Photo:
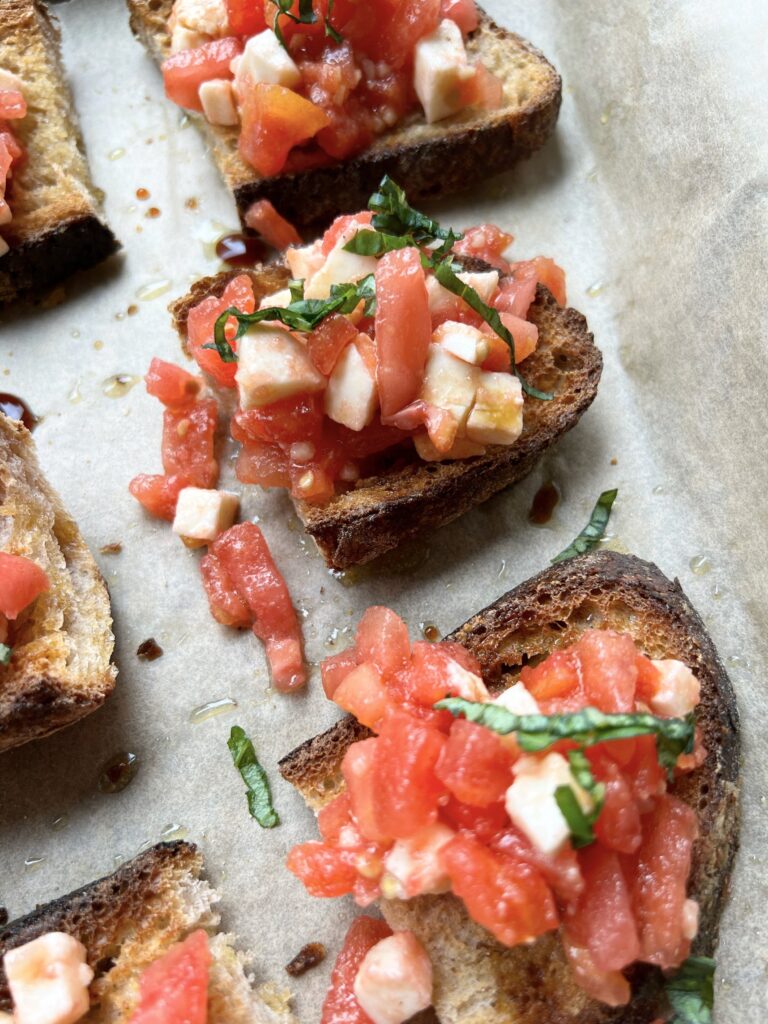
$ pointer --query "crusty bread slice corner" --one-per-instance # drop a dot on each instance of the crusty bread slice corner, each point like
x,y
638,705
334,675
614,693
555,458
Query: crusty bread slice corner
x,y
61,667
130,918
477,980
382,512
429,160
57,225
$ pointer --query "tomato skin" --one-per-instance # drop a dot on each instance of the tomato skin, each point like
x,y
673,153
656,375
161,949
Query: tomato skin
x,y
276,231
274,120
407,788
463,12
475,765
486,242
21,582
323,870
188,442
382,638
328,340
246,17
363,694
158,493
184,72
341,1006
226,605
172,385
174,989
202,320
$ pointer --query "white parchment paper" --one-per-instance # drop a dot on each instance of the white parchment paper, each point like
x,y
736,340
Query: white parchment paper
x,y
653,196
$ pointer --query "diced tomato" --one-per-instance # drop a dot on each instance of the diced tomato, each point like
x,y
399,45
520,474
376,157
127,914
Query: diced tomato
x,y
517,291
358,771
184,72
274,120
618,825
601,921
324,870
158,493
172,385
648,679
21,581
560,870
226,605
382,638
246,17
363,694
328,340
403,328
276,231
342,226
341,1006
298,418
264,464
11,147
174,989
505,895
441,424
608,670
463,12
245,555
334,818
643,772
609,987
359,444
475,765
188,441
336,668
410,21
407,788
551,276
525,334
555,681
499,358
313,484
697,757
486,242
202,319
483,822
484,91
12,105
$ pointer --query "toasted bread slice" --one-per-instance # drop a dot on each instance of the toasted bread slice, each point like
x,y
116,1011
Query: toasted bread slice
x,y
62,644
57,226
432,159
130,918
477,980
382,512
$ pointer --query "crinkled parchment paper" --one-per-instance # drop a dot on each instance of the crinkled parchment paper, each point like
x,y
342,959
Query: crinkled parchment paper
x,y
653,196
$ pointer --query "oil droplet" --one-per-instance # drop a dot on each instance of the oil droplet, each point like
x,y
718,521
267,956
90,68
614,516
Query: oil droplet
x,y
544,503
659,489
132,310
173,831
502,569
74,395
211,709
98,344
118,772
429,631
153,290
737,661
592,176
191,203
33,863
16,408
118,859
700,565
74,333
119,384
115,154
596,289
142,193
144,846
119,316
153,212
61,822
333,636
718,592
184,121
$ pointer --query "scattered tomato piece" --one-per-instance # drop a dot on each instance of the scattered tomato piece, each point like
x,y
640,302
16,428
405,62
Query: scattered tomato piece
x,y
226,605
201,321
276,231
188,440
174,989
172,385
21,582
158,493
341,1006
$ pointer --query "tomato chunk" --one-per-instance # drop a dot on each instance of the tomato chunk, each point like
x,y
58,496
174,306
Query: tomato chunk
x,y
328,340
463,12
292,419
608,670
602,921
13,106
618,827
524,333
185,71
555,684
475,765
274,120
411,20
202,320
276,231
188,440
341,1006
324,870
226,605
486,242
610,987
172,385
264,464
551,276
157,493
382,638
21,581
363,694
174,989
246,17
518,290
358,771
407,788
335,669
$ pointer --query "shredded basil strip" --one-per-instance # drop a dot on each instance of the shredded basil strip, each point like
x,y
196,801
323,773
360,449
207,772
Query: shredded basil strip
x,y
306,16
580,822
296,288
334,33
674,736
594,531
393,215
690,991
254,777
6,653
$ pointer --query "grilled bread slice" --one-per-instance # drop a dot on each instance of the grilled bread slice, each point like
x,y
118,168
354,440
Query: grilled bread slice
x,y
434,159
130,918
382,512
57,226
62,644
477,980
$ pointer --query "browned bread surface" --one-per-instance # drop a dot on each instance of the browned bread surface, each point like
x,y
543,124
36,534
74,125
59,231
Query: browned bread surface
x,y
479,981
57,226
383,512
430,160
61,666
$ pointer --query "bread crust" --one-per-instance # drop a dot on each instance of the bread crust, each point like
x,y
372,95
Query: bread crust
x,y
478,980
432,160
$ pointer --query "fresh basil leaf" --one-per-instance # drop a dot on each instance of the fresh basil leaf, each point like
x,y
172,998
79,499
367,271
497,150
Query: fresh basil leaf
x,y
594,530
296,288
690,991
674,736
306,16
254,777
330,31
579,824
393,215
6,653
375,243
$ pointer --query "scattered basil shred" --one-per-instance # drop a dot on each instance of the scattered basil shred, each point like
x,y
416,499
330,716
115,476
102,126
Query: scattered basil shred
x,y
594,531
254,777
690,991
580,822
6,653
306,16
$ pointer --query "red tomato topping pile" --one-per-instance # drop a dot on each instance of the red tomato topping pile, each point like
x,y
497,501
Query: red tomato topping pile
x,y
428,805
174,989
21,581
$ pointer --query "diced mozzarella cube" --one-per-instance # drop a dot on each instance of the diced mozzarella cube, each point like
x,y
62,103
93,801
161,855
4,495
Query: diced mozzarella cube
x,y
265,60
463,683
203,514
209,17
183,38
530,800
463,341
279,299
460,449
305,260
341,267
679,690
412,867
440,67
48,979
394,980
485,282
690,919
218,101
351,397
449,383
497,415
518,700
272,365
445,305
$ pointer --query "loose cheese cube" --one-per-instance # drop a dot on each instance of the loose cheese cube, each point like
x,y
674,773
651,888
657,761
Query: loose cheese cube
x,y
440,67
351,397
679,690
412,867
340,267
518,700
265,60
272,365
497,415
218,101
183,38
485,282
530,800
48,979
463,341
394,980
460,449
279,299
449,383
203,514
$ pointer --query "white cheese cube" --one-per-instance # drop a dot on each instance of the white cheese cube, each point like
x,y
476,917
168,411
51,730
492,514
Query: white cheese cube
x,y
279,299
463,683
208,17
485,282
218,101
340,267
460,449
690,919
445,305
48,979
272,365
265,60
679,690
463,341
203,514
449,383
183,38
305,260
412,867
497,415
351,397
440,67
518,700
394,980
530,800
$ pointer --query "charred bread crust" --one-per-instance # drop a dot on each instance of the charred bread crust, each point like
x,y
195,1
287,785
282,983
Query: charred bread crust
x,y
430,160
602,589
383,512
